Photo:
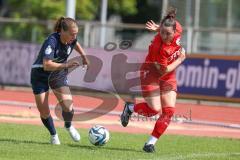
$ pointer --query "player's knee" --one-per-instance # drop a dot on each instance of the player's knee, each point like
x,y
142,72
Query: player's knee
x,y
156,108
44,115
66,109
67,105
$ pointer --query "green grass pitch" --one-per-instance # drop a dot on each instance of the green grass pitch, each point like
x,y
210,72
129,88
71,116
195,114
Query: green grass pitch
x,y
26,142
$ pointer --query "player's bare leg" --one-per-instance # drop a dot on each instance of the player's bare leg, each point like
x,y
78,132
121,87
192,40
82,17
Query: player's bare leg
x,y
168,100
43,108
64,97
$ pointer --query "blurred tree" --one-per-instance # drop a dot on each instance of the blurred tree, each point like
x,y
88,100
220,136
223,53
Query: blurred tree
x,y
131,11
87,9
29,9
90,9
146,9
34,9
122,7
51,10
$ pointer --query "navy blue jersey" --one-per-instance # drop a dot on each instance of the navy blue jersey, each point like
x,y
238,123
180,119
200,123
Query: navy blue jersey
x,y
53,49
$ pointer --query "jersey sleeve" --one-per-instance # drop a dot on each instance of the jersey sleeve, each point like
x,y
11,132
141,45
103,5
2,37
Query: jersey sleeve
x,y
49,48
154,48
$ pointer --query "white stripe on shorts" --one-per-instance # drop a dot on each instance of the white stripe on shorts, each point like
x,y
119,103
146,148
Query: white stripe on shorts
x,y
37,66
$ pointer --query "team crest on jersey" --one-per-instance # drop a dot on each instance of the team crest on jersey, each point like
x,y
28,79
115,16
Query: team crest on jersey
x,y
178,42
69,50
48,50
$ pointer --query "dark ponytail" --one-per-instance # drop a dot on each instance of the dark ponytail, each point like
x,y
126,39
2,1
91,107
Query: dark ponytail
x,y
169,19
171,12
58,25
64,23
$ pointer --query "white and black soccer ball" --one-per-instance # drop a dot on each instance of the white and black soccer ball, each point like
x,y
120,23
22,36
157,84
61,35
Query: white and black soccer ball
x,y
98,135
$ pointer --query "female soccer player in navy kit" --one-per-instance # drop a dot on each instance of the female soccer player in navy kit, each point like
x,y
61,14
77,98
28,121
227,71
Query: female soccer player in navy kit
x,y
158,80
52,62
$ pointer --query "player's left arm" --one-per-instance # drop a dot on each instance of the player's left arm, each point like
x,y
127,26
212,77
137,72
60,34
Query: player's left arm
x,y
80,50
182,56
164,69
162,65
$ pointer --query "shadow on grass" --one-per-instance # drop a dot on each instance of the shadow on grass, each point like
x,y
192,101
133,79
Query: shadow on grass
x,y
17,141
104,148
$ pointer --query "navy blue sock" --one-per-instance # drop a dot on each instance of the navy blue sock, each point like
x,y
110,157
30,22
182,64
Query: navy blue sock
x,y
48,123
68,116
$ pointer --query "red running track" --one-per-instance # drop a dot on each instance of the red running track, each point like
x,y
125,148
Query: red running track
x,y
18,107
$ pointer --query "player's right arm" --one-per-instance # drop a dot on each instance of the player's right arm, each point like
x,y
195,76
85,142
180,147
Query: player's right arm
x,y
49,65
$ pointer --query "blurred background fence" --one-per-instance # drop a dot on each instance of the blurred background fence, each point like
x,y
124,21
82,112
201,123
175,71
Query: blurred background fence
x,y
207,40
210,26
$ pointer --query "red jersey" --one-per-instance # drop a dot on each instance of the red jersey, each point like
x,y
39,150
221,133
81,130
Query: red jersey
x,y
164,54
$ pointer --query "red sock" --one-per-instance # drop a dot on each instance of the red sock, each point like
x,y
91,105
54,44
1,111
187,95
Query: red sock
x,y
144,109
163,121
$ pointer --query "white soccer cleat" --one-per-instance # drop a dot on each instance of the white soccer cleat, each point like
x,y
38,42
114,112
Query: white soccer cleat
x,y
74,134
55,140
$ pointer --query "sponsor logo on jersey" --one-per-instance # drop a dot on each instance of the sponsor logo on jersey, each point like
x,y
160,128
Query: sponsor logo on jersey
x,y
178,41
175,55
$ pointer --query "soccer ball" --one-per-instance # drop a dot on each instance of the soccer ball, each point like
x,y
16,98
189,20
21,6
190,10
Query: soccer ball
x,y
98,135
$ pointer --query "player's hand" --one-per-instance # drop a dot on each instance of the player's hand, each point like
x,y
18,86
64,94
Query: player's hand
x,y
85,62
157,65
152,26
159,69
71,64
182,55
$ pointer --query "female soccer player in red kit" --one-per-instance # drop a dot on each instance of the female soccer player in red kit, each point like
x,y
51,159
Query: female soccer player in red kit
x,y
158,81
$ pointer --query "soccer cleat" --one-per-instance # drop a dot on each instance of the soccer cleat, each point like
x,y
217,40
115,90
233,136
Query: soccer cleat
x,y
73,133
55,140
149,148
126,114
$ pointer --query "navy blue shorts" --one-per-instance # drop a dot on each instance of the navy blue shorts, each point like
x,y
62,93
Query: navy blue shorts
x,y
43,80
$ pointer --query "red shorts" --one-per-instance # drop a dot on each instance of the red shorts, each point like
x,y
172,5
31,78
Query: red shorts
x,y
151,82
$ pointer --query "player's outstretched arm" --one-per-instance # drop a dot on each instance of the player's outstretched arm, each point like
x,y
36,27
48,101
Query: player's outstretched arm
x,y
152,26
